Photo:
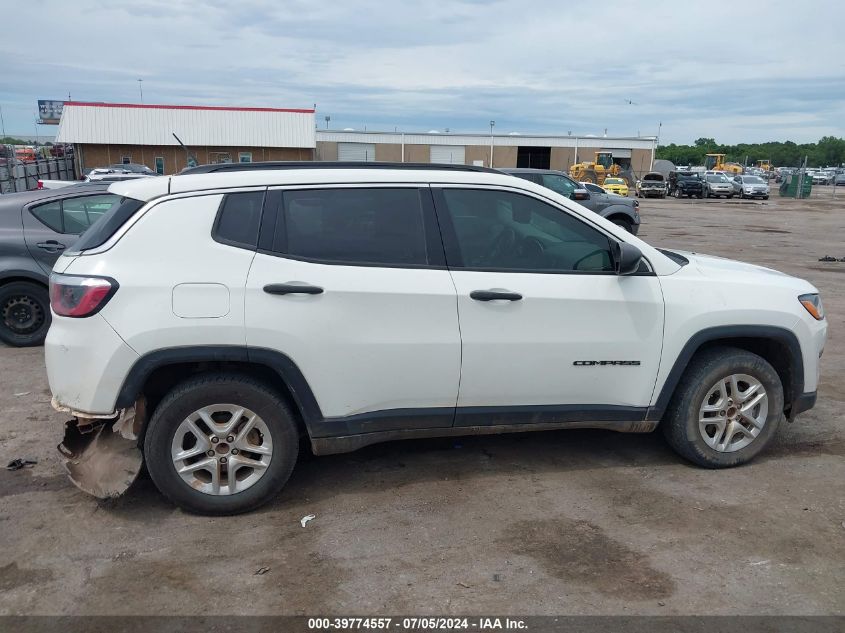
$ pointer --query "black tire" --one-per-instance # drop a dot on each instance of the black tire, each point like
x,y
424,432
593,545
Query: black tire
x,y
207,390
700,196
765,197
24,313
624,224
730,195
680,422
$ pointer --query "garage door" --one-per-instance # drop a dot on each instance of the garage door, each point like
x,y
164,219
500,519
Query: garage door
x,y
448,154
356,151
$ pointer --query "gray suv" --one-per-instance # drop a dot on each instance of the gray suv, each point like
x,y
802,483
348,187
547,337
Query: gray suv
x,y
35,228
621,211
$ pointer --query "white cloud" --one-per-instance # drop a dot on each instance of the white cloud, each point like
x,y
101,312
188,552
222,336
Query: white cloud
x,y
733,71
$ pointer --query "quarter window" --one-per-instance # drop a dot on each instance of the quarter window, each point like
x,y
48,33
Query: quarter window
x,y
500,230
238,219
353,226
74,215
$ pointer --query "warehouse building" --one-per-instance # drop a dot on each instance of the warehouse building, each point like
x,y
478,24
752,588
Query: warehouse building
x,y
109,133
508,150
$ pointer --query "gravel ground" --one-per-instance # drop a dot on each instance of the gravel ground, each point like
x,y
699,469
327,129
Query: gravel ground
x,y
570,522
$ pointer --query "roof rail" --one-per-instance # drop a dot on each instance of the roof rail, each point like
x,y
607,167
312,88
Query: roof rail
x,y
221,167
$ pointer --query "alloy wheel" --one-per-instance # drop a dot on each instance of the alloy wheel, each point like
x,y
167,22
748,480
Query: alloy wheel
x,y
222,449
733,413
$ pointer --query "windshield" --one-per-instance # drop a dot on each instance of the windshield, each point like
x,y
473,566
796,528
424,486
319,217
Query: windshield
x,y
614,181
753,180
688,176
716,178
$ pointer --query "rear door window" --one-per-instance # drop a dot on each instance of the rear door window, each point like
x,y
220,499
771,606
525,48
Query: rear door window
x,y
353,226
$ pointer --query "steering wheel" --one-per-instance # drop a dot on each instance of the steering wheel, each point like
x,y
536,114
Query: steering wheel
x,y
502,245
598,251
531,248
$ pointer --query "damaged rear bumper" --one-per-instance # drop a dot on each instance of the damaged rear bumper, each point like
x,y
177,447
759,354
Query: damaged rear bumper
x,y
101,454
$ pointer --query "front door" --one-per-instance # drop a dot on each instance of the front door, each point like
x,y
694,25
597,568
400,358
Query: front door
x,y
548,331
351,284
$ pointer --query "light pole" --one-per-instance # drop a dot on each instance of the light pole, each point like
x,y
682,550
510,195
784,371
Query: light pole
x,y
2,124
328,118
492,123
141,89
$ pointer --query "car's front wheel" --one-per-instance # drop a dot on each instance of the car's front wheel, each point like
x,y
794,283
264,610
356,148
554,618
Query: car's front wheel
x,y
624,224
221,444
24,313
726,408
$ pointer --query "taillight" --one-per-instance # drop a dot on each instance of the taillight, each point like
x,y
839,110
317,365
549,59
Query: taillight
x,y
40,184
76,296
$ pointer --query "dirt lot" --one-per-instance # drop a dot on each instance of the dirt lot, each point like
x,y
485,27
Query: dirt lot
x,y
576,522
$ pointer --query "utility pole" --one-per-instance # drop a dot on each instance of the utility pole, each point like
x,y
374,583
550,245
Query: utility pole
x,y
328,118
492,123
2,124
141,89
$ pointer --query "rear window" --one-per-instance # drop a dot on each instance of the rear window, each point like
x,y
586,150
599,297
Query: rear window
x,y
108,224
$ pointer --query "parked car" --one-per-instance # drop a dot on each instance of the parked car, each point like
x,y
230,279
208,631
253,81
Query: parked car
x,y
134,168
652,185
109,174
821,178
35,228
349,305
839,180
616,185
621,211
717,185
685,183
751,187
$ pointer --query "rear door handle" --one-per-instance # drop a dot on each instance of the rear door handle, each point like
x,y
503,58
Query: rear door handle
x,y
292,289
51,246
495,295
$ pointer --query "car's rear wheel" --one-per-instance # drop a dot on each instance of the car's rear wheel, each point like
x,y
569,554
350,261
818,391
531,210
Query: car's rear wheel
x,y
221,444
24,313
726,408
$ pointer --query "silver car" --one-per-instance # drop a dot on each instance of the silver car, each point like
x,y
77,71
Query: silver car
x,y
718,185
751,187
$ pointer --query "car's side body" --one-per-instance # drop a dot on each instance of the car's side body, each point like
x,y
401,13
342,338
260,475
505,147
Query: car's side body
x,y
210,317
29,246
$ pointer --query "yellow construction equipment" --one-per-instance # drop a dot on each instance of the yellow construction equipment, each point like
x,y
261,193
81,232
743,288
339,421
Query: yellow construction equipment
x,y
716,162
602,168
765,165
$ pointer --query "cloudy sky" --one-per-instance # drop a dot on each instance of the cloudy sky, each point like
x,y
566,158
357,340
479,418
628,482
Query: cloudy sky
x,y
736,71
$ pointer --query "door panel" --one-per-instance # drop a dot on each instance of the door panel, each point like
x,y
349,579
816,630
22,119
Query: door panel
x,y
377,337
562,329
523,352
44,243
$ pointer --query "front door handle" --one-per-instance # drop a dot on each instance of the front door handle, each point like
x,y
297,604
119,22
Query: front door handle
x,y
292,289
495,295
51,246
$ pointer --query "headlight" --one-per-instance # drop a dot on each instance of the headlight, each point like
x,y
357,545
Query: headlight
x,y
813,304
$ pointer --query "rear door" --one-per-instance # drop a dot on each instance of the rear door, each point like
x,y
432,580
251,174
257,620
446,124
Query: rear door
x,y
350,283
51,227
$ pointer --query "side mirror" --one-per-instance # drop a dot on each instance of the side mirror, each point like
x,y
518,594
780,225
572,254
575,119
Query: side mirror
x,y
626,258
580,194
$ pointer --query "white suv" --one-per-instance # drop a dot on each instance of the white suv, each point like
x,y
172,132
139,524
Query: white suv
x,y
213,319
